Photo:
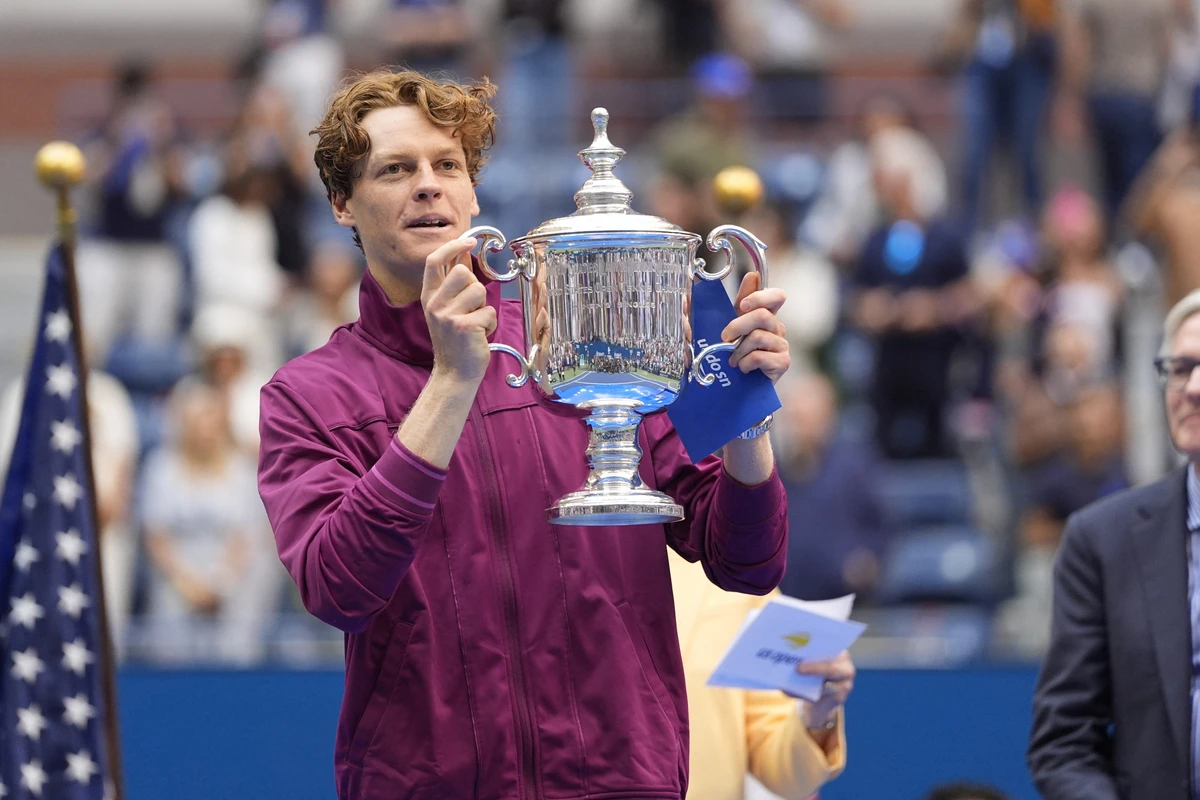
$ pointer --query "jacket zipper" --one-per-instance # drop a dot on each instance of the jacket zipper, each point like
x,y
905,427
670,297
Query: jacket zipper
x,y
508,591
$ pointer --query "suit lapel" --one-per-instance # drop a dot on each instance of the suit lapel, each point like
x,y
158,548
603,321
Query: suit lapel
x,y
1160,541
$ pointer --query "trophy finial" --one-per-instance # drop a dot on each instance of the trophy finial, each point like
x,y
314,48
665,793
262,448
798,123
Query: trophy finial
x,y
603,193
600,125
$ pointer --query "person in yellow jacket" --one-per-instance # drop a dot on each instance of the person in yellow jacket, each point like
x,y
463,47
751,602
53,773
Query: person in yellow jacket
x,y
792,747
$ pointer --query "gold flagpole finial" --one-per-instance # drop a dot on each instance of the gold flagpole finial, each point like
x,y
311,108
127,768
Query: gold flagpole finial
x,y
59,166
737,189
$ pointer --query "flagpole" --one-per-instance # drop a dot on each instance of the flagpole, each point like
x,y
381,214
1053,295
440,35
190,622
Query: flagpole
x,y
60,166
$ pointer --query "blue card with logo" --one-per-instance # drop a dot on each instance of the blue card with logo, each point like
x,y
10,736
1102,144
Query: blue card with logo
x,y
784,633
709,417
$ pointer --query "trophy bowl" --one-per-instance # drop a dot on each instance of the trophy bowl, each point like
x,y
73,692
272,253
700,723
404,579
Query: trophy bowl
x,y
605,294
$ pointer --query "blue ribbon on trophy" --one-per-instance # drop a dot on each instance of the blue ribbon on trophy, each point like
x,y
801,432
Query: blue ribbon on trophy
x,y
707,417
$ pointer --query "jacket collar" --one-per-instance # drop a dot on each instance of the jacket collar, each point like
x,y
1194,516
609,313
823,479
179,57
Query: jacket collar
x,y
401,331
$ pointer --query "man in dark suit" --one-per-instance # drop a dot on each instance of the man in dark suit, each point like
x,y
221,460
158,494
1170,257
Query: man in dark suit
x,y
1116,701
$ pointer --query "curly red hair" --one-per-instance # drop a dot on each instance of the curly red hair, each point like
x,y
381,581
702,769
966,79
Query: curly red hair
x,y
342,142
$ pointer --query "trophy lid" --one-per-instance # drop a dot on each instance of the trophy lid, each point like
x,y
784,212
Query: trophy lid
x,y
604,201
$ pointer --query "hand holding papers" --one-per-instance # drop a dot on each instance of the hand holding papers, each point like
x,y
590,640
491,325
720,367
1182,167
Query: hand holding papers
x,y
784,633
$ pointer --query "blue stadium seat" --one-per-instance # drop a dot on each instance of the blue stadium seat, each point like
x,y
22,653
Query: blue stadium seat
x,y
149,367
948,564
921,493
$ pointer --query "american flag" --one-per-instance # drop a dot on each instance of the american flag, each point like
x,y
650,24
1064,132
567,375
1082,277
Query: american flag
x,y
52,742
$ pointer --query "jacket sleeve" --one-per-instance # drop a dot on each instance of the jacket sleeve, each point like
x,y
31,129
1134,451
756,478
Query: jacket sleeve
x,y
737,532
782,754
347,537
1069,749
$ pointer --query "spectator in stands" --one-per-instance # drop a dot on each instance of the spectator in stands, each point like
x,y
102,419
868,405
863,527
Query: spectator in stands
x,y
1007,273
224,336
1115,711
1009,49
708,137
114,430
1183,68
1165,205
233,247
1090,467
203,528
838,531
965,791
1084,290
791,746
1114,59
911,293
1067,325
808,278
847,210
1040,403
264,139
790,45
129,273
1037,425
300,56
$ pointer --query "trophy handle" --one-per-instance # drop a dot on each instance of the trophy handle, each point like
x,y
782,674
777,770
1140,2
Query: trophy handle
x,y
527,369
719,240
527,264
493,241
698,373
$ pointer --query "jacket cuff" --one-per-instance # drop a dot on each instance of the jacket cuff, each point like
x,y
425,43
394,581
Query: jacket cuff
x,y
829,760
406,481
745,506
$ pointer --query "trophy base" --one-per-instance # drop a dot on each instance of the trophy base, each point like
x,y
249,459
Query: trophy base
x,y
635,507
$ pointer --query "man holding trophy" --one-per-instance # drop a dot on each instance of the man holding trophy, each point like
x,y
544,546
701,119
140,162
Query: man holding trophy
x,y
509,634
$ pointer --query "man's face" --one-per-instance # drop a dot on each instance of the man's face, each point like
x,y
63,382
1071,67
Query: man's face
x,y
1183,401
412,192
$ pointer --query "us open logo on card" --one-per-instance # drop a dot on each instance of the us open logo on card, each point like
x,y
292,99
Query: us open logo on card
x,y
798,640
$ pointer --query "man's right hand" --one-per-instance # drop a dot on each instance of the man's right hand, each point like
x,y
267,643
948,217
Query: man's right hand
x,y
456,310
459,320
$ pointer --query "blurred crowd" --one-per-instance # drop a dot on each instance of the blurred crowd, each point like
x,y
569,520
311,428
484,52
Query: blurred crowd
x,y
960,297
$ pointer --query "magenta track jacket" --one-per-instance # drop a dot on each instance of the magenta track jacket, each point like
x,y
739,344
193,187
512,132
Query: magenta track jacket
x,y
490,654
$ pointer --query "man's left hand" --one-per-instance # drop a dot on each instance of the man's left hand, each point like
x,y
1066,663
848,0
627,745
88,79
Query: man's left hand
x,y
764,346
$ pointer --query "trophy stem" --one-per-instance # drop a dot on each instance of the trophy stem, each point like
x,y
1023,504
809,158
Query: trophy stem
x,y
613,452
614,493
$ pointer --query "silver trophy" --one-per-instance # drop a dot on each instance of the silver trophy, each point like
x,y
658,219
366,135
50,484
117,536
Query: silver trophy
x,y
606,296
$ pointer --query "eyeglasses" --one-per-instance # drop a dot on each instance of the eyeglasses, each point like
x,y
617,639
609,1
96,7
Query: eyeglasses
x,y
1175,371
